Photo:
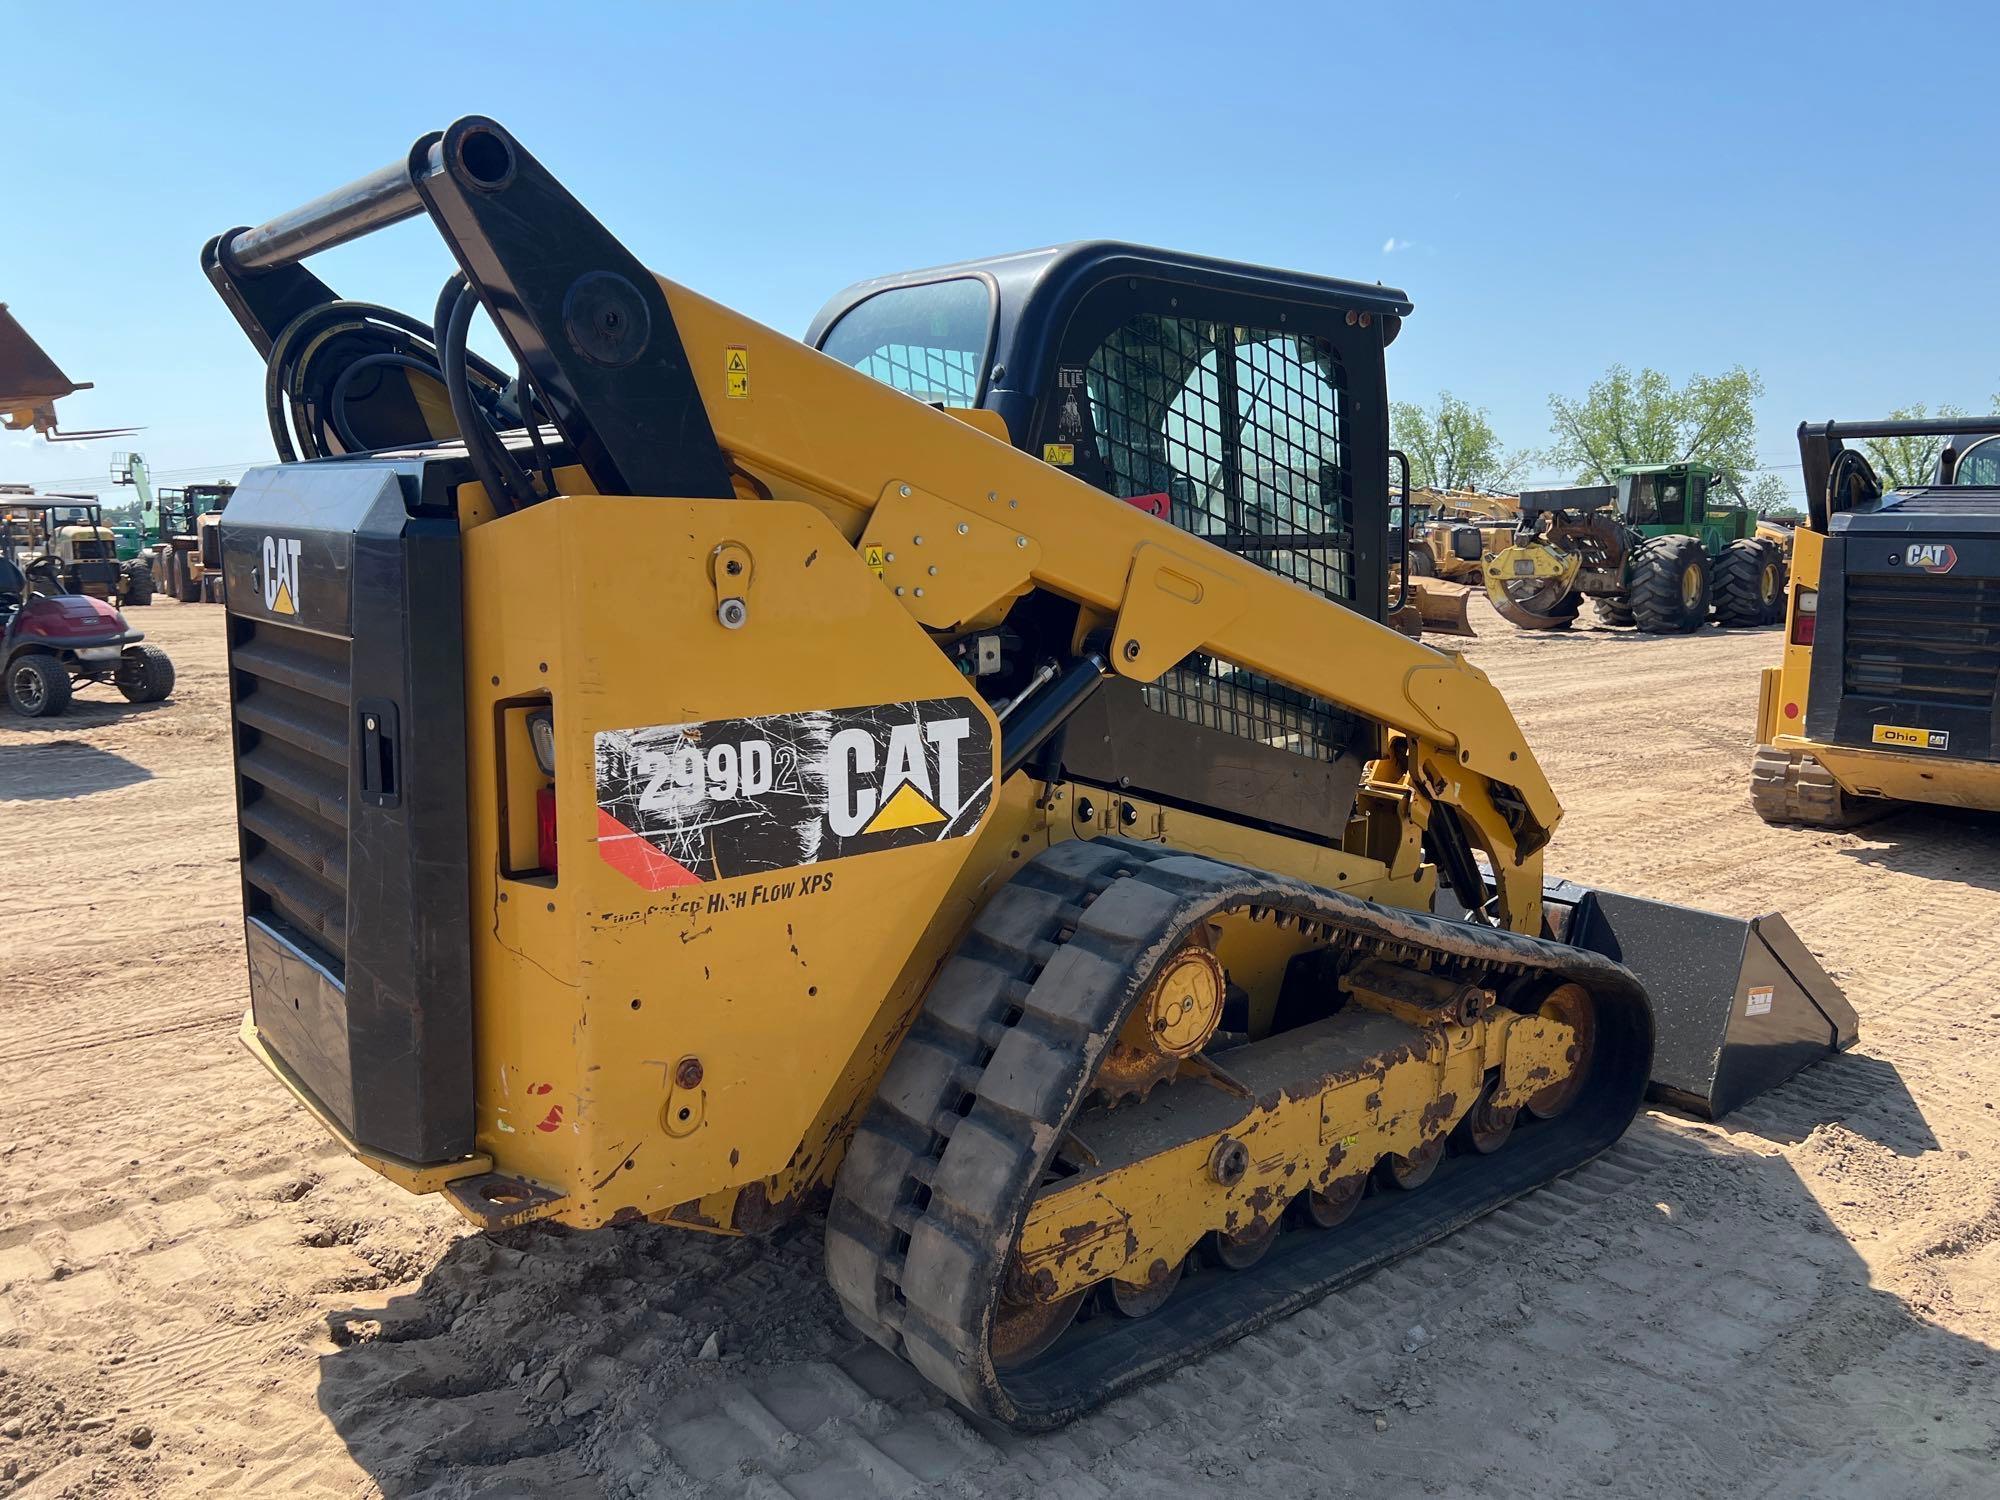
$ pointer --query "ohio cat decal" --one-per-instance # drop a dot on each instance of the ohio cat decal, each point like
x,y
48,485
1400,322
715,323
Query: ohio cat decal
x,y
680,804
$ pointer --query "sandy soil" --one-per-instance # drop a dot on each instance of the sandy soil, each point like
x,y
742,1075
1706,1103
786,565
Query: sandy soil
x,y
199,1296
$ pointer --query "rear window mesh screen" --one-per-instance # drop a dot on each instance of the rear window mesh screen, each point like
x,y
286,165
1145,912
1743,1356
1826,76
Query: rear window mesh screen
x,y
942,377
1215,694
1241,429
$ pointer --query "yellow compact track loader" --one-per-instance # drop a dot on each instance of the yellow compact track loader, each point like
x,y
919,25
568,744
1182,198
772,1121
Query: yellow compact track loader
x,y
990,806
1888,687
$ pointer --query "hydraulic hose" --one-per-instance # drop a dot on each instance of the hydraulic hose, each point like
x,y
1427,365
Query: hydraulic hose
x,y
319,356
504,481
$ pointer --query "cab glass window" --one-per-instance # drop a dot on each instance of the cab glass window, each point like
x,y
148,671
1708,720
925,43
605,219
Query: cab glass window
x,y
929,341
1980,464
1657,500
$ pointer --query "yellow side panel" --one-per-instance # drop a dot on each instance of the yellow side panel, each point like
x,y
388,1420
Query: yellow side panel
x,y
1795,662
1767,704
638,1048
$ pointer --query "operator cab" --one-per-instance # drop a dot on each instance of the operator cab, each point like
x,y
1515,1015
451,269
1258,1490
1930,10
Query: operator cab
x,y
1972,460
1244,404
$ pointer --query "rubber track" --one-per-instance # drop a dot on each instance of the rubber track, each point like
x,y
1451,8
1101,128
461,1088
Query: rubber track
x,y
1791,786
943,1169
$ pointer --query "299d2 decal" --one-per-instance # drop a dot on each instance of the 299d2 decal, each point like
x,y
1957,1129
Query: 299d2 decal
x,y
680,804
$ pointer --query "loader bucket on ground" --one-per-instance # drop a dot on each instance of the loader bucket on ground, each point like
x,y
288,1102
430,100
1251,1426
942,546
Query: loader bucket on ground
x,y
1442,606
1738,1006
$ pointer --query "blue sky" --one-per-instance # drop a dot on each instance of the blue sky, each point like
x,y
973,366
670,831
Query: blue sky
x,y
1797,188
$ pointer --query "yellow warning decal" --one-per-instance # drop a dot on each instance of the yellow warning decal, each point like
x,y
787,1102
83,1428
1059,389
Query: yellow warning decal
x,y
906,808
876,557
738,359
1062,455
1905,738
739,386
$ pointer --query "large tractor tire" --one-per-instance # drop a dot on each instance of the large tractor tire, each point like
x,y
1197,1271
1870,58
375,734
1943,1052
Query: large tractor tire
x,y
1790,786
145,674
1612,610
1784,565
1749,584
180,582
1669,594
138,583
37,685
1421,564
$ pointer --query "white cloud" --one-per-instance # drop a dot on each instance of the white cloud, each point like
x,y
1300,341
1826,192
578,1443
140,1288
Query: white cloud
x,y
1391,245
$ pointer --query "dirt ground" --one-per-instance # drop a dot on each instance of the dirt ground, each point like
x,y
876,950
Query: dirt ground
x,y
200,1296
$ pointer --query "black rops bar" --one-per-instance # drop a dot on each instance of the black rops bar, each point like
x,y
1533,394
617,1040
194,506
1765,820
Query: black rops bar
x,y
1820,443
347,213
1900,427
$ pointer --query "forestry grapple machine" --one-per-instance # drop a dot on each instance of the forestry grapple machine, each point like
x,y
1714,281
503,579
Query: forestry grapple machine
x,y
990,806
1663,548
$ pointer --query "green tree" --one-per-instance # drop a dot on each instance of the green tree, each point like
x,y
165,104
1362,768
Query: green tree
x,y
1645,419
1906,462
1768,495
1452,446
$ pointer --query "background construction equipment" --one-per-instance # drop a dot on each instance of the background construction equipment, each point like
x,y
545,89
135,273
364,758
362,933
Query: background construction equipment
x,y
1887,686
1450,533
1661,549
31,384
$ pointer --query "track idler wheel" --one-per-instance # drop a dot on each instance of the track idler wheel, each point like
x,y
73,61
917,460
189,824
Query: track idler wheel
x,y
1139,1301
1240,1249
1408,1173
1025,1329
1486,1125
1571,1004
1332,1208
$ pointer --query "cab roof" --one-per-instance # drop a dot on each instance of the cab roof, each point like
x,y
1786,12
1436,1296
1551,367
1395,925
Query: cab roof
x,y
1056,274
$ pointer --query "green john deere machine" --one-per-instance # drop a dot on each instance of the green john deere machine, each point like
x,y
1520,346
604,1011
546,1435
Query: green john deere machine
x,y
1665,548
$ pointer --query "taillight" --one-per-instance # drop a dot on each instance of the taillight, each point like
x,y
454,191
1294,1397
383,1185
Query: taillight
x,y
545,829
1805,616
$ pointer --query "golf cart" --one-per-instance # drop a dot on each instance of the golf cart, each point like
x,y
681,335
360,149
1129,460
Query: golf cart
x,y
51,640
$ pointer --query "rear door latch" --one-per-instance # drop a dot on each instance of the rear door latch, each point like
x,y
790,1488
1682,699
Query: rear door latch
x,y
381,775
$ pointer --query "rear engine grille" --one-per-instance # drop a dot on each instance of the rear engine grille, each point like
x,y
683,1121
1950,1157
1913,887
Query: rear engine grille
x,y
292,713
1924,638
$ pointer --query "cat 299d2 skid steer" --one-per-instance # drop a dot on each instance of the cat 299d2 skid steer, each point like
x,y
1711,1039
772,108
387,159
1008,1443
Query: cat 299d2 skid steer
x,y
1124,934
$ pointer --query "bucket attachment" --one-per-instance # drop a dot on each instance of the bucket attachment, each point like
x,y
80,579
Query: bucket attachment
x,y
1738,1006
1442,606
